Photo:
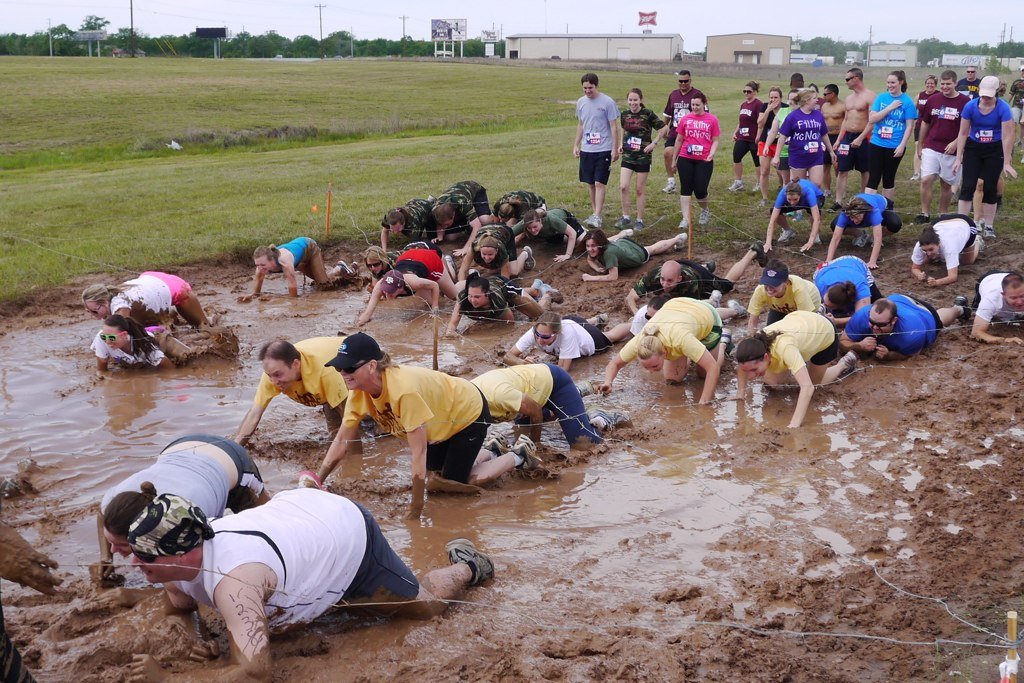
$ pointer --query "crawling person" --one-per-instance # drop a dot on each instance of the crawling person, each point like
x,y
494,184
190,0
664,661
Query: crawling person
x,y
302,254
953,239
999,299
124,343
414,220
150,299
498,299
417,271
567,338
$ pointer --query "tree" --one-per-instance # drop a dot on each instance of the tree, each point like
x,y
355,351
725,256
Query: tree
x,y
93,23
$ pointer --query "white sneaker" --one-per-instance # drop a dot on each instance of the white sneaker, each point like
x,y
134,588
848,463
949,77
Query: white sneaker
x,y
681,241
715,298
736,186
670,186
787,235
628,232
916,176
684,224
862,240
594,221
741,310
849,363
705,216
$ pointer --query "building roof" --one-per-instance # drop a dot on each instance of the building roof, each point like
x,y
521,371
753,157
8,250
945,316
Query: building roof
x,y
749,33
595,35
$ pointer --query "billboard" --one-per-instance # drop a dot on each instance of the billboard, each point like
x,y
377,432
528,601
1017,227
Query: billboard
x,y
86,36
448,29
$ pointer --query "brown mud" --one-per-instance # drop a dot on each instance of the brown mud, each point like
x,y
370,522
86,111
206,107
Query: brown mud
x,y
697,543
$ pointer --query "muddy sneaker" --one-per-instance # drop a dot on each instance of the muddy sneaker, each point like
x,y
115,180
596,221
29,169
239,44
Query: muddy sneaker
x,y
594,221
711,265
585,387
526,449
734,305
681,241
472,273
715,298
705,216
639,225
604,420
601,319
344,269
670,186
849,363
463,550
797,215
763,203
922,218
531,262
496,444
916,176
623,222
736,186
787,235
965,309
627,232
449,261
684,224
556,296
726,338
759,255
537,284
981,243
987,231
862,240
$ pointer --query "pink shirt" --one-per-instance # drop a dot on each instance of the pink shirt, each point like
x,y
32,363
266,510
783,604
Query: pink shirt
x,y
697,133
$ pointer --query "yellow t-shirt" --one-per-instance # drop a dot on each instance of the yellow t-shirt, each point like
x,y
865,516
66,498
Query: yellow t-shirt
x,y
803,335
801,295
682,323
412,397
504,388
317,385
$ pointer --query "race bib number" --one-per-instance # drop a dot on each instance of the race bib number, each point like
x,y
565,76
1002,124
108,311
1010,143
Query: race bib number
x,y
950,113
634,143
594,138
695,150
843,150
985,136
885,132
744,131
677,116
811,147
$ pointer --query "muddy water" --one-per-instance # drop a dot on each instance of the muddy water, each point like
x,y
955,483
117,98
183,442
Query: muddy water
x,y
665,486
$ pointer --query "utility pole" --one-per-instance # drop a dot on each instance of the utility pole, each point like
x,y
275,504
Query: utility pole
x,y
49,32
351,41
131,29
321,9
403,18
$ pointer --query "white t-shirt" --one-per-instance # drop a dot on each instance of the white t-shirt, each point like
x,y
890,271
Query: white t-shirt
x,y
636,327
150,292
572,342
953,236
118,357
321,537
993,306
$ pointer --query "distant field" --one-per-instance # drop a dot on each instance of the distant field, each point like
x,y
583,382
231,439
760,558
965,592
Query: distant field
x,y
88,185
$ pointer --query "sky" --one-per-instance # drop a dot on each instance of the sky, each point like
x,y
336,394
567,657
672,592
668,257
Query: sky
x,y
291,18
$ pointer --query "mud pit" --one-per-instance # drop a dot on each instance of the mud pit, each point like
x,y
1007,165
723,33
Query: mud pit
x,y
695,545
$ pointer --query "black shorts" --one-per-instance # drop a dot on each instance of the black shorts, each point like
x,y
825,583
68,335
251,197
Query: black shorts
x,y
832,137
601,342
637,168
454,457
381,571
828,355
741,148
595,167
931,309
854,158
480,203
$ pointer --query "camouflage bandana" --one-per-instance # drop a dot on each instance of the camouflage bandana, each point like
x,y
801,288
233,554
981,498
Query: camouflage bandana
x,y
169,526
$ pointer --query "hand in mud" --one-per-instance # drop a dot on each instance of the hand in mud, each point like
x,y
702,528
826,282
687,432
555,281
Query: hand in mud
x,y
807,247
603,388
104,574
459,253
245,298
204,651
145,669
21,563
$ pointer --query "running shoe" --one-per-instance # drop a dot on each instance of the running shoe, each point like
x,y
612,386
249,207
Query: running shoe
x,y
472,273
639,225
495,443
602,319
849,363
741,310
463,550
623,222
449,261
556,296
594,221
705,216
987,231
344,268
715,298
916,176
726,338
736,186
537,284
604,420
585,387
531,262
862,240
922,218
670,186
710,265
526,449
965,309
836,206
628,232
787,235
759,255
681,241
684,224
763,203
797,216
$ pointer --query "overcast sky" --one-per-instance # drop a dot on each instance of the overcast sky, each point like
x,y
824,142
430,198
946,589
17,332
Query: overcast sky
x,y
984,19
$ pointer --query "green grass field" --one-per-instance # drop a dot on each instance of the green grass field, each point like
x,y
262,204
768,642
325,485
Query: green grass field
x,y
88,185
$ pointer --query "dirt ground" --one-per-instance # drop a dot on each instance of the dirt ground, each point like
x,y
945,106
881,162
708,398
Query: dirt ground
x,y
877,543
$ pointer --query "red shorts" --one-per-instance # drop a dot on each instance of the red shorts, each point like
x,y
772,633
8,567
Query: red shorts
x,y
429,258
762,153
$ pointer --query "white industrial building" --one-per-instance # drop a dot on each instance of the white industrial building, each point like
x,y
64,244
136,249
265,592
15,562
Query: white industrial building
x,y
621,47
884,55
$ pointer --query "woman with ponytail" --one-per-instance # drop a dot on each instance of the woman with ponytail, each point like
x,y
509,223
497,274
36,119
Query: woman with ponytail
x,y
301,254
125,343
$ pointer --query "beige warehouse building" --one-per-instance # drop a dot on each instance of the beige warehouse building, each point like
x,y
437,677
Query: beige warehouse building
x,y
749,48
621,47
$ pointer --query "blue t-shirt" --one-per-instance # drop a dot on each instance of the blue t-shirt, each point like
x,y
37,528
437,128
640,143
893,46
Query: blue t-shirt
x,y
840,271
596,115
986,127
810,195
914,330
878,203
889,131
298,249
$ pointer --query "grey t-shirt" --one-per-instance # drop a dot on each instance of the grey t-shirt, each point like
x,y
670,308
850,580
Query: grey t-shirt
x,y
193,476
596,115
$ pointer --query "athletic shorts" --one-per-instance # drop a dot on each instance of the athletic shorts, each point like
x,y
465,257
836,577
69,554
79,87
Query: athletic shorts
x,y
637,168
179,288
850,158
937,163
711,341
249,476
601,342
595,167
761,152
382,571
428,258
741,148
830,354
454,457
832,137
928,307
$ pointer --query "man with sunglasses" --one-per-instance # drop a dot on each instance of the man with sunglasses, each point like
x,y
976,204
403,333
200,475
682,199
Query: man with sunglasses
x,y
970,84
677,107
897,327
285,564
852,150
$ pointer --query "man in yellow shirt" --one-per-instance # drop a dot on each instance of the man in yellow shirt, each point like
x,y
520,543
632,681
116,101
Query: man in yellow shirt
x,y
781,293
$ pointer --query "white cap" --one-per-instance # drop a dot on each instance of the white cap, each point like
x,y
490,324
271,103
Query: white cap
x,y
988,86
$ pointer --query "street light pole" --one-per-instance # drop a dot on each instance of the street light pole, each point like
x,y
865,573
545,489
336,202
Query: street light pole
x,y
321,9
131,29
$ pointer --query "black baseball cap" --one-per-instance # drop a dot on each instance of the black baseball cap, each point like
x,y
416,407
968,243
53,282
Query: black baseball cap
x,y
355,351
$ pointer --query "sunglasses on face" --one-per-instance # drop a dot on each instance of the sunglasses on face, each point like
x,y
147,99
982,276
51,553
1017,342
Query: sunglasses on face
x,y
849,78
109,337
148,558
538,335
352,370
684,81
748,92
877,324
